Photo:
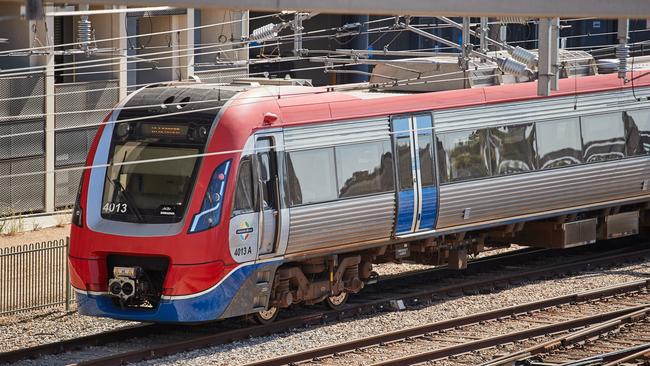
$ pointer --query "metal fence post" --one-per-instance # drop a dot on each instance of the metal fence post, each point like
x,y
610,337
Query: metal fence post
x,y
67,273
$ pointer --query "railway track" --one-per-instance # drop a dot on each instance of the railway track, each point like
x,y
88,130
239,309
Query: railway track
x,y
408,290
596,311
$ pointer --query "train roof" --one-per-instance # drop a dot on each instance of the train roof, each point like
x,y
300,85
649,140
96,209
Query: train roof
x,y
297,105
303,105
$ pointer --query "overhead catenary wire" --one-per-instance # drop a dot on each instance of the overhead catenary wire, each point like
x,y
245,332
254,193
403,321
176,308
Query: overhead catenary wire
x,y
143,58
318,90
134,36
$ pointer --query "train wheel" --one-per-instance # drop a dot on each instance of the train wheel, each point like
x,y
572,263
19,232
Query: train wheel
x,y
266,316
337,302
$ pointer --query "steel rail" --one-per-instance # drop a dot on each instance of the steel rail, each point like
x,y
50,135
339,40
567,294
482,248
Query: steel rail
x,y
366,307
608,320
574,338
363,306
453,323
146,329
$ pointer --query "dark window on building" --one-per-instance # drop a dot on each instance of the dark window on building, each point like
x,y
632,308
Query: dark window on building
x,y
311,176
364,169
558,143
244,190
603,137
637,131
513,149
462,155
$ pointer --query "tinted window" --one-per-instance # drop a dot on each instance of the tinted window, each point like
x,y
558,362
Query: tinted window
x,y
558,143
311,176
513,149
404,163
267,169
462,155
637,127
364,169
603,137
425,147
244,201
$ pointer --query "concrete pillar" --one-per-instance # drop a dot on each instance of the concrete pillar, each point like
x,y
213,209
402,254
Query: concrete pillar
x,y
622,52
183,45
485,30
47,60
121,69
544,66
555,58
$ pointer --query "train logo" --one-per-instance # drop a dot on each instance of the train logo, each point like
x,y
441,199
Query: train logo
x,y
245,230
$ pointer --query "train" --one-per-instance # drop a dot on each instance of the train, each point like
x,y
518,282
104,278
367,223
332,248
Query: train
x,y
202,201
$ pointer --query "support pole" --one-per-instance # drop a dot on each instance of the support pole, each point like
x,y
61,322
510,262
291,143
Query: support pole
x,y
555,58
485,30
48,39
119,26
297,34
467,44
189,43
544,65
623,50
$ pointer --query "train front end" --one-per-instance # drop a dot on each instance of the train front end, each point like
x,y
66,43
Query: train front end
x,y
145,240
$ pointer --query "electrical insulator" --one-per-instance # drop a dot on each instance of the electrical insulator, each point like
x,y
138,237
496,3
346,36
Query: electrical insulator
x,y
513,20
524,56
622,53
84,32
265,33
511,66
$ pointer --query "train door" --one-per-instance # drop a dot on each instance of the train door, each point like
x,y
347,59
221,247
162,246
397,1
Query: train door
x,y
417,193
268,193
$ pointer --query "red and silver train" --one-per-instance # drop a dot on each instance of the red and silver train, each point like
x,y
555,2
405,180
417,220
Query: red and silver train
x,y
205,202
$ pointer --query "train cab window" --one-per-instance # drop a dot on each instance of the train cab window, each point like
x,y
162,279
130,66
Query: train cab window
x,y
311,176
462,155
637,131
512,149
603,137
558,143
244,189
364,169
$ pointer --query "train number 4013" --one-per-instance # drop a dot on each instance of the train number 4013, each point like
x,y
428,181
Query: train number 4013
x,y
112,207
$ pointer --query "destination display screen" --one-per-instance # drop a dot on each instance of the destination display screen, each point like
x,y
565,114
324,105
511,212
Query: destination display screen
x,y
163,130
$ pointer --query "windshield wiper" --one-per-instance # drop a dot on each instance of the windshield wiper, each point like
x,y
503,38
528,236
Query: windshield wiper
x,y
127,197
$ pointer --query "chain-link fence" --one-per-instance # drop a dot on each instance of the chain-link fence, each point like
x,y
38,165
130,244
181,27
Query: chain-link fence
x,y
35,276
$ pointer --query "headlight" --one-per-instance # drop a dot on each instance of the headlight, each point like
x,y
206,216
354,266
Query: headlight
x,y
210,213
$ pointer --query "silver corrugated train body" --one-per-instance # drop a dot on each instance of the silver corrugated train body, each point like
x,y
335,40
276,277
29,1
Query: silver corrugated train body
x,y
510,197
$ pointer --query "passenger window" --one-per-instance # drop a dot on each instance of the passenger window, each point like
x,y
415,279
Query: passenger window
x,y
558,143
512,149
244,193
267,168
425,145
603,137
404,162
637,128
364,169
462,155
311,176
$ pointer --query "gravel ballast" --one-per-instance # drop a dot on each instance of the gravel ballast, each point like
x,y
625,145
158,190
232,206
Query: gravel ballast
x,y
49,326
242,352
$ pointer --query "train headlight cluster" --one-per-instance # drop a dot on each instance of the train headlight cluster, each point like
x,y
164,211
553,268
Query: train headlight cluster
x,y
123,285
210,213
